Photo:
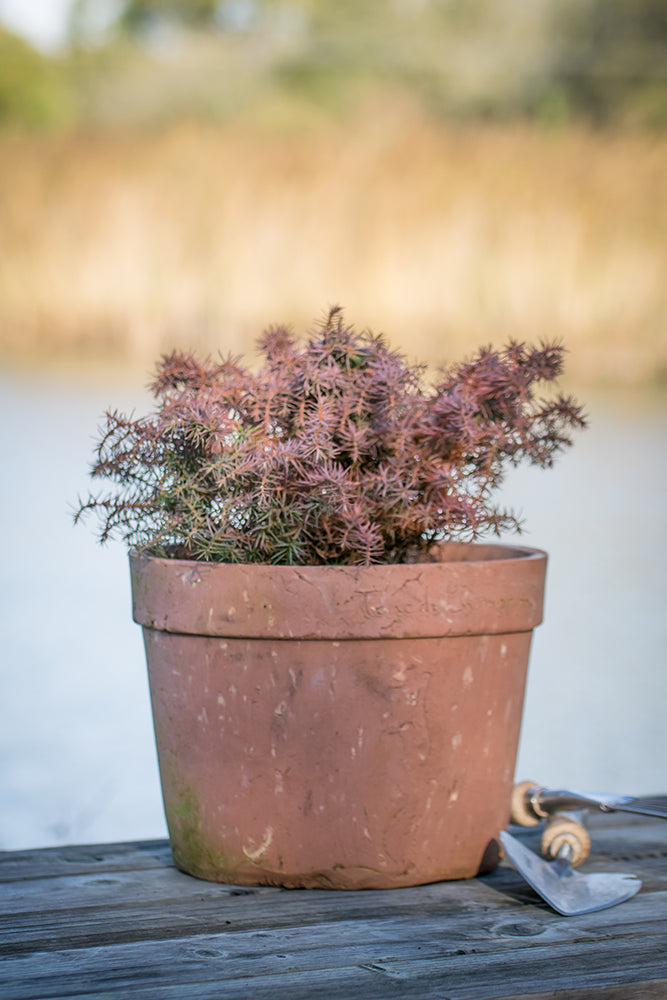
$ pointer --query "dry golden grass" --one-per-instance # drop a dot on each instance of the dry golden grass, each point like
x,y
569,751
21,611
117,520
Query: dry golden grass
x,y
119,246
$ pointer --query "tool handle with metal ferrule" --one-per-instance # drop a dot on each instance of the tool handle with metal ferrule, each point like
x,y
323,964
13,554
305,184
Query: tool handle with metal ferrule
x,y
523,810
563,837
531,803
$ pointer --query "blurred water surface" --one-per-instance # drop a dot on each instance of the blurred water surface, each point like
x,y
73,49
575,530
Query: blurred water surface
x,y
77,759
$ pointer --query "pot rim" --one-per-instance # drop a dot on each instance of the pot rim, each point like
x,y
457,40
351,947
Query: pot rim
x,y
500,591
486,551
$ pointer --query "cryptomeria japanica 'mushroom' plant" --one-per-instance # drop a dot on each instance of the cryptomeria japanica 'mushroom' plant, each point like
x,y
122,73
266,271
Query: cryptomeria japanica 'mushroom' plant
x,y
335,451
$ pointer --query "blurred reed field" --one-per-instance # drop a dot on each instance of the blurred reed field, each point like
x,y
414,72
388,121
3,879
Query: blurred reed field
x,y
120,245
450,176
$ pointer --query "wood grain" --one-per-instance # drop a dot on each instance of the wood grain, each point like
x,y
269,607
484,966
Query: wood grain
x,y
120,921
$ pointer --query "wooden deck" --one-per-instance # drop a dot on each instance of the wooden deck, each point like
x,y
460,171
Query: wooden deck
x,y
120,921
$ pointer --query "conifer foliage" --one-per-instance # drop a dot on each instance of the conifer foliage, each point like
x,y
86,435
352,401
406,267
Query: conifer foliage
x,y
334,451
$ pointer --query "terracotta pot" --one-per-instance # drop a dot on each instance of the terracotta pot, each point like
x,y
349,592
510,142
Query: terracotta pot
x,y
341,727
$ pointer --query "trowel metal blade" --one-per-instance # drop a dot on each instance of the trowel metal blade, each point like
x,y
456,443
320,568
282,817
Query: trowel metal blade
x,y
569,892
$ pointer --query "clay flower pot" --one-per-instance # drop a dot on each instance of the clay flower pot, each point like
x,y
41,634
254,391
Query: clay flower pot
x,y
341,727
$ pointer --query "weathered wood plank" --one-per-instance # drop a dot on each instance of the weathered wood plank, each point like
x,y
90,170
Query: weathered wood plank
x,y
207,967
387,947
401,950
168,904
119,920
85,859
639,837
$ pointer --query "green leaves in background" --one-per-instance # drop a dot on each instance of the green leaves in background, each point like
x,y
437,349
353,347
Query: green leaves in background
x,y
603,61
34,92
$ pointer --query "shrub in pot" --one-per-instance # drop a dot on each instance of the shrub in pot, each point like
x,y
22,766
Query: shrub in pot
x,y
336,663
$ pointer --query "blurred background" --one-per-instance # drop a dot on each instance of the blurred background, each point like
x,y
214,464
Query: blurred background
x,y
454,173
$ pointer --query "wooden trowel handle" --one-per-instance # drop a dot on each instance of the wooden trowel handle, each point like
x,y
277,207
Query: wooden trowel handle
x,y
530,803
565,837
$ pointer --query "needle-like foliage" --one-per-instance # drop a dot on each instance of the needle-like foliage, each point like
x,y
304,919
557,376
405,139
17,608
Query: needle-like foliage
x,y
335,451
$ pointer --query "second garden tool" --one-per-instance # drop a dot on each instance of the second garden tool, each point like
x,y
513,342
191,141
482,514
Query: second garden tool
x,y
567,891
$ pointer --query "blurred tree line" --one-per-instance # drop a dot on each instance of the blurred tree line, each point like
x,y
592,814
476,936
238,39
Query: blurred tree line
x,y
554,61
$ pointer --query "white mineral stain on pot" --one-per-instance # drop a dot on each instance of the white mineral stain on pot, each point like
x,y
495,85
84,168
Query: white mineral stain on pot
x,y
467,677
366,833
254,854
231,612
453,795
503,650
221,700
457,740
399,675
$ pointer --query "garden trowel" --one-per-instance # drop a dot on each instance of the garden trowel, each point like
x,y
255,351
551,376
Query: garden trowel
x,y
569,892
531,803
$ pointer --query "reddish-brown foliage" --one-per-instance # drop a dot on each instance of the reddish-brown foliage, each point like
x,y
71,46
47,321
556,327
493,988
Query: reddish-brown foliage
x,y
335,451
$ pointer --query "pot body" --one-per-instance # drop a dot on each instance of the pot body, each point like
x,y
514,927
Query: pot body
x,y
339,727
